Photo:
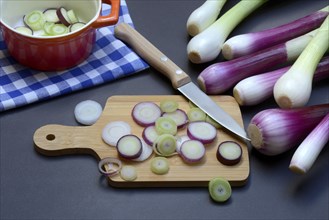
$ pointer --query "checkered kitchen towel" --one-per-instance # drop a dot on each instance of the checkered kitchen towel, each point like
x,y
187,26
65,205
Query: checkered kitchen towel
x,y
110,60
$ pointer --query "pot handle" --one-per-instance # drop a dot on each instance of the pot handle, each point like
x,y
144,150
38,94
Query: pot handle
x,y
110,19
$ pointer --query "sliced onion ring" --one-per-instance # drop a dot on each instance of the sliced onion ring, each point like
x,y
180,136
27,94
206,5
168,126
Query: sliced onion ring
x,y
114,166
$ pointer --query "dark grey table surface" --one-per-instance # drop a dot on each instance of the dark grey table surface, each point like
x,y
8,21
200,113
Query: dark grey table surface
x,y
34,186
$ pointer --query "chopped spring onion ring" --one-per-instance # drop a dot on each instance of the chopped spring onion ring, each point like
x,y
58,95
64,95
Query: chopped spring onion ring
x,y
219,77
24,30
229,153
76,26
180,140
51,15
165,145
113,166
274,131
72,17
87,112
204,16
219,189
150,134
62,15
146,152
294,88
201,131
129,147
165,125
196,114
113,131
58,29
128,173
179,116
207,45
192,151
309,150
47,27
160,165
168,105
146,113
245,44
35,20
256,89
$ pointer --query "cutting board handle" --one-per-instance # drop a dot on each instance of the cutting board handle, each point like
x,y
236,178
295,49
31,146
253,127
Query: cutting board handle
x,y
55,140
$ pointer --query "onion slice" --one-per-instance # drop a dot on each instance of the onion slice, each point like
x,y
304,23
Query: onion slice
x,y
114,166
202,131
146,152
192,151
229,153
179,116
113,131
129,147
146,113
128,173
87,112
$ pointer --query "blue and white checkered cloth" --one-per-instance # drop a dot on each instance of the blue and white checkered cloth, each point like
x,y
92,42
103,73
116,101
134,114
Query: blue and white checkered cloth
x,y
111,59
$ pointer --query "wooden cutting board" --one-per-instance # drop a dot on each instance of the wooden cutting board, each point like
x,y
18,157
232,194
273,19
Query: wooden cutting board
x,y
54,140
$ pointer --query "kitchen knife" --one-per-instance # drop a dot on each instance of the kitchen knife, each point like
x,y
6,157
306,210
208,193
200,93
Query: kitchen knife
x,y
179,79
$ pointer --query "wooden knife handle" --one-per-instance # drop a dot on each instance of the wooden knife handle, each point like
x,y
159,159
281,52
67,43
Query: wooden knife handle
x,y
151,54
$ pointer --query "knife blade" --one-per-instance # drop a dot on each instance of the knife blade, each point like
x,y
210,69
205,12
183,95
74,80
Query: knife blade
x,y
179,79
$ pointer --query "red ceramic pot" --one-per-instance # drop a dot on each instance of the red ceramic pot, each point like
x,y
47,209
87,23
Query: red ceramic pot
x,y
53,53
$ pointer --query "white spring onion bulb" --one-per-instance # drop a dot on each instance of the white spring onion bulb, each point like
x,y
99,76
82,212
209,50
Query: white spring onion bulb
x,y
244,44
294,88
256,89
207,45
309,150
274,131
204,16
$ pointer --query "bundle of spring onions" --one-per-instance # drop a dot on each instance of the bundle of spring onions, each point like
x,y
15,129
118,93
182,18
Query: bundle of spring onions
x,y
252,66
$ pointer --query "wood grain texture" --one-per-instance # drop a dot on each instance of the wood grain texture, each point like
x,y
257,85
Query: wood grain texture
x,y
55,140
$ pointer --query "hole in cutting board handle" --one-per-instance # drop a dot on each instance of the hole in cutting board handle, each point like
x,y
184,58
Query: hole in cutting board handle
x,y
50,137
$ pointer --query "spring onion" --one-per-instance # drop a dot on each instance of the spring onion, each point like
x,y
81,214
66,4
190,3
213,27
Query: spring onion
x,y
35,20
196,114
256,89
165,145
219,189
308,151
294,88
204,16
207,45
245,44
274,131
219,77
160,165
165,125
168,106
